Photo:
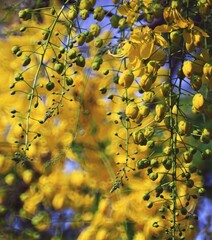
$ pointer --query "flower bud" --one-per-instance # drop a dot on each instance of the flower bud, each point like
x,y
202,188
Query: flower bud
x,y
143,163
187,155
50,86
138,138
146,82
86,4
27,176
207,70
196,82
160,111
95,29
58,201
80,39
198,101
98,42
84,14
72,13
26,61
114,20
153,176
207,154
132,110
148,132
144,110
59,67
15,49
72,53
80,61
25,14
184,128
99,13
148,97
187,68
126,78
10,179
165,89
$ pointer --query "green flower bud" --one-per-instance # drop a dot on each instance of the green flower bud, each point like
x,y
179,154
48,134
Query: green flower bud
x,y
69,81
72,53
15,49
114,20
154,163
50,86
95,29
25,14
146,197
80,61
99,13
59,67
138,137
153,176
26,60
98,42
95,66
84,14
143,163
187,155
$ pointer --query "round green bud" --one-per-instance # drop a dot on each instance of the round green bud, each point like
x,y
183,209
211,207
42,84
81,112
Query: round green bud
x,y
26,61
59,67
153,176
84,14
80,39
150,204
25,14
80,61
72,53
98,42
15,49
143,163
95,29
114,21
146,197
22,29
69,81
99,13
50,86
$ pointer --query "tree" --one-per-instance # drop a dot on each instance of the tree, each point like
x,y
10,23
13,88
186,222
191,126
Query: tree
x,y
121,93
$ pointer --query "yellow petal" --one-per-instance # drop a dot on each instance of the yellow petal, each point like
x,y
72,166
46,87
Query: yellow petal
x,y
123,10
161,41
163,28
204,34
146,50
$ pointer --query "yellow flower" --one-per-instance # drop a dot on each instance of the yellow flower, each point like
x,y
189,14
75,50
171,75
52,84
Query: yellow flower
x,y
131,11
